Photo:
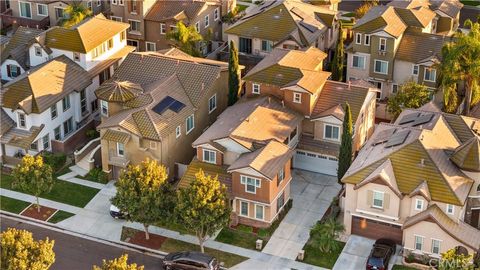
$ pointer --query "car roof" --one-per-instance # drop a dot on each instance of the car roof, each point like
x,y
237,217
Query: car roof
x,y
194,256
380,250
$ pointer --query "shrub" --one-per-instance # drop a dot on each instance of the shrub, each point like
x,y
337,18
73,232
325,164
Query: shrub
x,y
92,134
55,160
97,175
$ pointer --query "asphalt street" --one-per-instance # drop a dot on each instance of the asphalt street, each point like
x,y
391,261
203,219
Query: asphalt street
x,y
76,253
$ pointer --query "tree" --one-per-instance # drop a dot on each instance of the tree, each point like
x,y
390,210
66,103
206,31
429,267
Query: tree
x,y
203,207
345,156
365,7
233,75
21,252
186,38
118,264
324,235
410,95
144,194
75,13
461,62
33,176
454,260
338,58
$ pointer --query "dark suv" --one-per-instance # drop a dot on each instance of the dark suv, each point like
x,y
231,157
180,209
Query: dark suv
x,y
190,260
380,255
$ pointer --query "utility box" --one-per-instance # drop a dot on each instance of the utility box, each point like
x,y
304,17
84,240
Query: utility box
x,y
301,255
259,244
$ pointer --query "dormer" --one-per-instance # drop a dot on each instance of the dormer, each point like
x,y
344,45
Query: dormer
x,y
467,155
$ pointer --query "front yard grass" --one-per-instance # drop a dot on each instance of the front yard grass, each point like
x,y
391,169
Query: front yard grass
x,y
241,8
315,257
60,216
62,191
12,205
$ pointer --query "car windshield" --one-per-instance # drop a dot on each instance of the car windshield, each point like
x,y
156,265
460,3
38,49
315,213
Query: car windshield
x,y
375,261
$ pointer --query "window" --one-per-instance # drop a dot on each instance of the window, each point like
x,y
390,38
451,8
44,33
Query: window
x,y
209,156
115,18
121,2
67,127
13,71
394,88
178,132
415,70
378,199
59,13
104,75
255,88
381,67
358,61
66,103
99,3
89,5
280,201
114,2
94,105
197,27
419,204
244,209
212,103
280,176
46,142
25,9
133,6
34,146
123,35
297,97
42,10
120,149
83,102
245,45
110,43
151,47
267,45
382,45
104,106
163,28
76,56
332,132
358,38
207,21
190,124
435,246
153,145
53,111
418,242
430,74
367,40
216,13
134,26
450,209
251,184
22,120
259,211
57,133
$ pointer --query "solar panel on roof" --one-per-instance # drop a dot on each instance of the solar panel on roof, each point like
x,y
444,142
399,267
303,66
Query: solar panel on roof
x,y
177,106
422,119
409,118
168,103
383,136
397,138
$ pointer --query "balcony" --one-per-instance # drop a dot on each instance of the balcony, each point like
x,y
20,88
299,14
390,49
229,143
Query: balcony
x,y
9,20
116,160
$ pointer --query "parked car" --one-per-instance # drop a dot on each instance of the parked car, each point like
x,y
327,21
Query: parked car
x,y
116,213
190,260
382,251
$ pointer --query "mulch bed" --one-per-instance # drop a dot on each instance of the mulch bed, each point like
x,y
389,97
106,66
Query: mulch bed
x,y
44,214
155,241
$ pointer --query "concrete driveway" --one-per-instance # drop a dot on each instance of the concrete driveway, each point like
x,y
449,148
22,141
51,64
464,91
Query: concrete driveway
x,y
356,251
312,194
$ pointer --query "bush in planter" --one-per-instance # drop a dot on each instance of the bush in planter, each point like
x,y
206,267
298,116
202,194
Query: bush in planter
x,y
92,134
410,258
55,160
97,175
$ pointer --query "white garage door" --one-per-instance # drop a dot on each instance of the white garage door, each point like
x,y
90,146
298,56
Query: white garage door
x,y
315,162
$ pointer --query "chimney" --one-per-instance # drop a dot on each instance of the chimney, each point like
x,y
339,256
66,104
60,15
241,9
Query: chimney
x,y
283,104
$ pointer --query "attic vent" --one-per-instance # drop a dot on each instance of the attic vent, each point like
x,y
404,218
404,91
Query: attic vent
x,y
276,17
398,138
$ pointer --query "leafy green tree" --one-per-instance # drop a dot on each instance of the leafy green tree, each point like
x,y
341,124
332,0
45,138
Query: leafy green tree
x,y
410,95
345,156
118,264
461,62
365,7
75,13
324,235
453,260
233,75
33,176
21,252
338,58
186,38
144,194
203,207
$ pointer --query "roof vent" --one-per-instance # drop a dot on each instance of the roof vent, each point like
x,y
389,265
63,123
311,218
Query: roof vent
x,y
276,17
422,162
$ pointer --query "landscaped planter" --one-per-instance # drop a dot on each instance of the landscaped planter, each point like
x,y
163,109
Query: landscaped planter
x,y
416,265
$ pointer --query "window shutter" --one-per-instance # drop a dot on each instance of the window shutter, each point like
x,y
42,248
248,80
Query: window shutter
x,y
370,198
8,71
386,201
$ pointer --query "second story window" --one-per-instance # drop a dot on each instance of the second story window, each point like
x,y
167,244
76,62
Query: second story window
x,y
114,2
358,38
120,149
53,111
163,29
367,40
430,75
59,13
212,103
255,88
25,9
13,71
331,132
209,156
419,204
358,61
122,36
22,120
42,10
450,209
178,132
197,27
216,13
66,103
382,45
251,184
189,124
297,97
67,126
207,21
110,43
415,70
381,67
134,26
38,50
267,45
245,45
57,133
83,102
104,106
280,176
378,199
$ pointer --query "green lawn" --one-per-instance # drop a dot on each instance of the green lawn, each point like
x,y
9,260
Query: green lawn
x,y
402,267
241,8
470,2
238,238
62,191
12,205
59,216
315,257
350,14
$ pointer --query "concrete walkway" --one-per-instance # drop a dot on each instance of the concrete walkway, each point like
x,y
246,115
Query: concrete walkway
x,y
75,171
312,194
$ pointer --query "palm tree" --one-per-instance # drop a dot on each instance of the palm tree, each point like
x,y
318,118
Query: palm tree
x,y
461,62
74,14
324,235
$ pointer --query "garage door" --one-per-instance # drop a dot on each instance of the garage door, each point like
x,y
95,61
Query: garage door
x,y
375,229
315,162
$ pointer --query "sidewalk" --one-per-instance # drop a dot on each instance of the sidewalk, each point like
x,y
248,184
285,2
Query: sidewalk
x,y
70,177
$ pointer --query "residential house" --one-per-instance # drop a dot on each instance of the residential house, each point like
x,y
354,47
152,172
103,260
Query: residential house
x,y
156,105
448,16
395,43
287,24
417,182
330,4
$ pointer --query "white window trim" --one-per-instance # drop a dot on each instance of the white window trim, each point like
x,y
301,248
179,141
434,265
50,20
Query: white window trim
x,y
380,44
395,84
244,177
453,209
295,95
214,161
383,199
120,19
51,111
153,145
20,9
416,204
197,27
178,131
240,210
413,70
151,43
38,11
425,75
18,119
207,21
374,64
415,242
118,150
164,29
114,2
255,212
360,56
102,103
121,2
216,14
214,108
253,88
48,141
439,246
356,38
186,124
325,132
365,39
99,3
131,31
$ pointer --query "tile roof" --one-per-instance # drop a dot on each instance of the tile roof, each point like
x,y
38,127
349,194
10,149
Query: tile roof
x,y
416,17
449,7
17,47
20,137
114,58
308,143
381,18
467,155
422,190
461,126
267,160
116,136
384,173
118,91
461,231
165,10
6,122
43,86
416,47
85,36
